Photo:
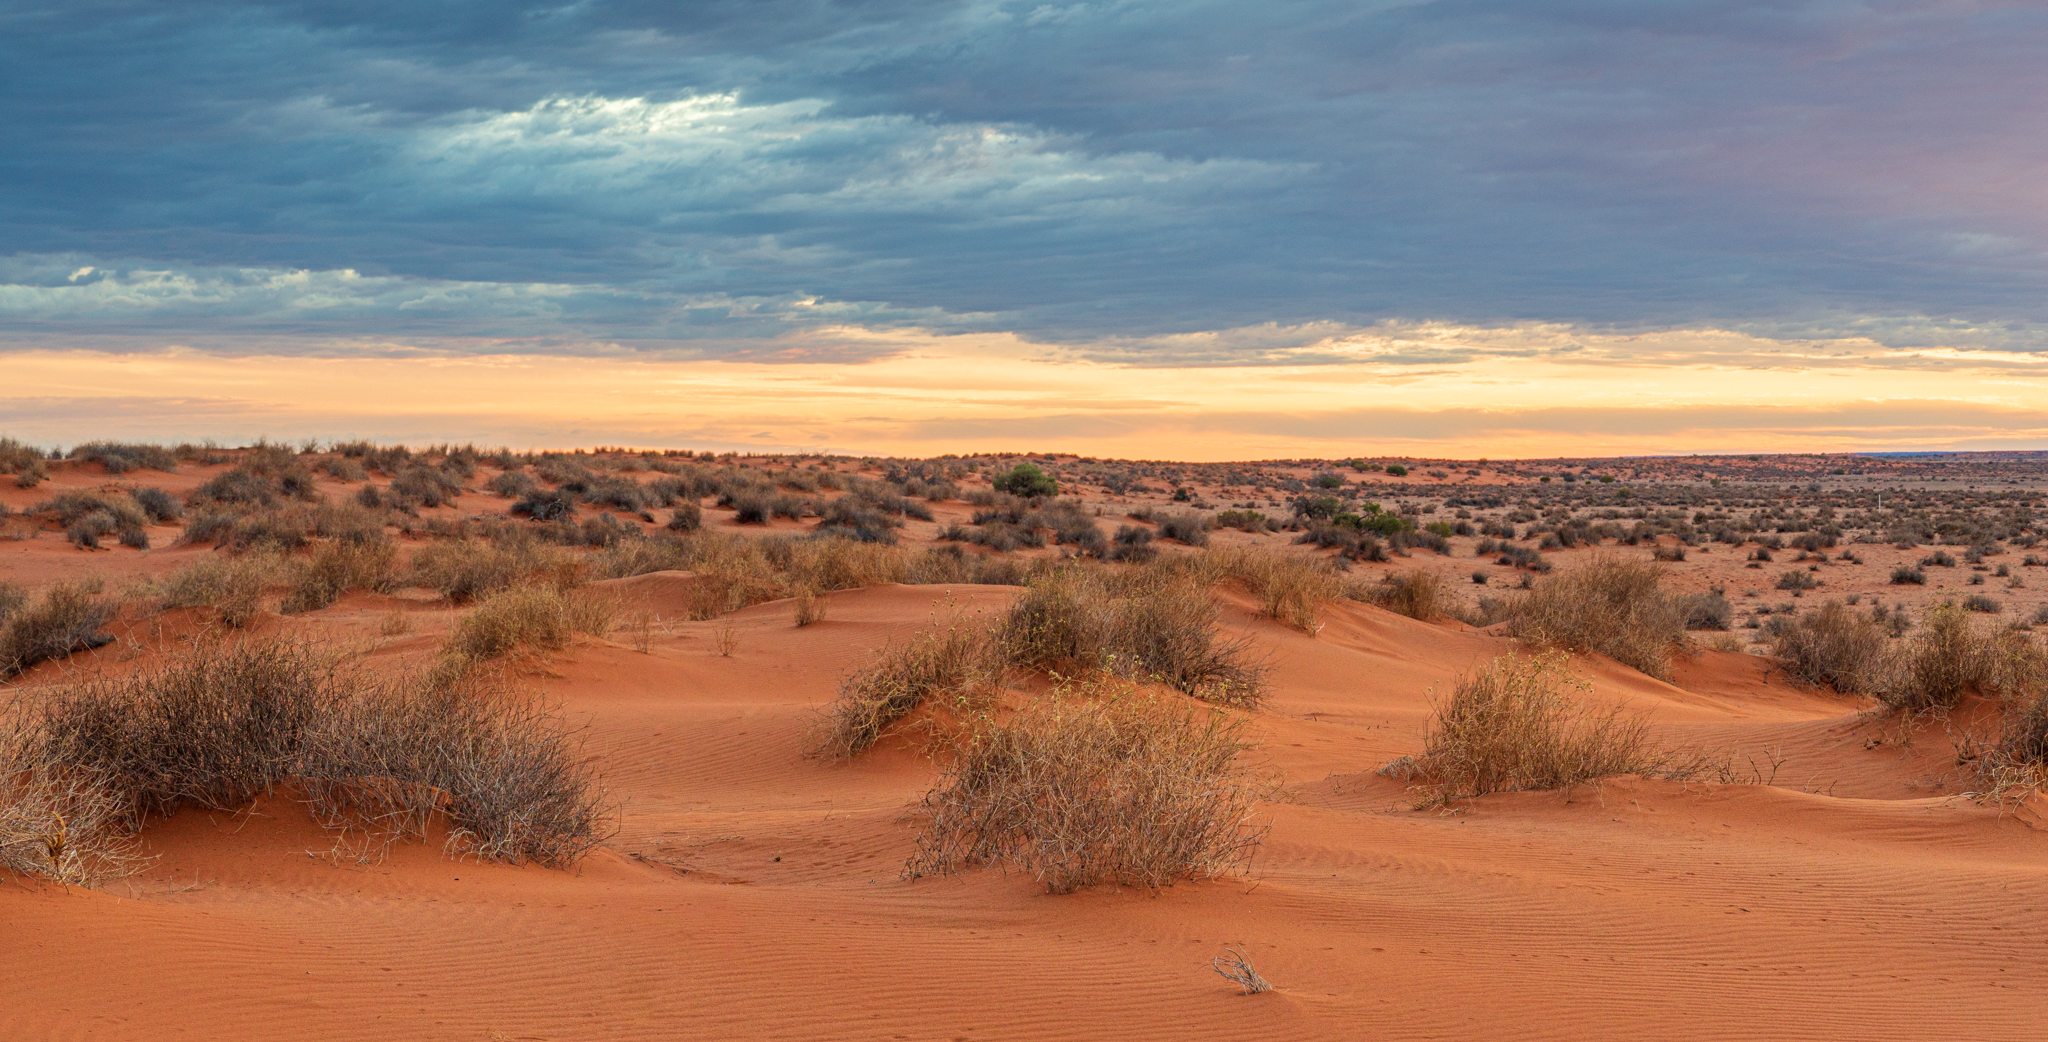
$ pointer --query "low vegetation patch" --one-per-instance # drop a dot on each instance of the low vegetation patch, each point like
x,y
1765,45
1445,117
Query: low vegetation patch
x,y
956,658
68,617
463,570
528,618
1835,646
1291,588
1151,624
1949,655
1608,605
1512,726
1417,594
231,587
1108,786
334,568
228,722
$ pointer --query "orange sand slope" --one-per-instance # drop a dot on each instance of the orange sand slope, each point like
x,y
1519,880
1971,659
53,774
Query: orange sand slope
x,y
753,893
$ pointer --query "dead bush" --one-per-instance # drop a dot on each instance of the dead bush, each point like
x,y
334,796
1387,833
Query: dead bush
x,y
1608,605
1105,787
1510,726
957,657
500,765
215,728
56,824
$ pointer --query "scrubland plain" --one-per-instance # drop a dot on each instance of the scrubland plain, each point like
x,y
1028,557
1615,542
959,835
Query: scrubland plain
x,y
356,741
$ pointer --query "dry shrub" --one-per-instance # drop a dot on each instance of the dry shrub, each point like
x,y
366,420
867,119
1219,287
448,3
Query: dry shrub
x,y
808,606
1511,727
1236,967
2017,763
1151,624
214,729
1121,788
732,572
499,765
1608,605
957,657
335,568
834,563
1417,594
1951,655
232,721
232,587
463,570
56,824
630,557
1291,588
1836,646
539,618
68,617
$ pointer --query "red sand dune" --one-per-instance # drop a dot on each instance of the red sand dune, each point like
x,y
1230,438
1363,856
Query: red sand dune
x,y
753,893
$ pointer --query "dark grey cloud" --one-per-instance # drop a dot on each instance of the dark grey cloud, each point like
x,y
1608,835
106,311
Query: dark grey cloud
x,y
701,177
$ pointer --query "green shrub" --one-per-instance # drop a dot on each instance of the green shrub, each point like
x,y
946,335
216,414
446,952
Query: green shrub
x,y
1026,480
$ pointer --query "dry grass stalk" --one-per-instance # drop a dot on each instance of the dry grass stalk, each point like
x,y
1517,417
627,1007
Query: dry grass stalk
x,y
1236,967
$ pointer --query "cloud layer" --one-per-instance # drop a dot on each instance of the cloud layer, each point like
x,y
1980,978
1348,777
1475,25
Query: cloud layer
x,y
1410,184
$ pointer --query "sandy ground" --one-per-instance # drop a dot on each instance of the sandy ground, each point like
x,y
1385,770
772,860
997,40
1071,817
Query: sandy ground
x,y
753,893
1837,887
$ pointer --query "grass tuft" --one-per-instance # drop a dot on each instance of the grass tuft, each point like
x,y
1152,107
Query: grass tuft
x,y
1511,726
1609,605
1113,787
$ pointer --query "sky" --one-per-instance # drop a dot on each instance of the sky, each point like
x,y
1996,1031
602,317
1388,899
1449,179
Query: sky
x,y
1176,229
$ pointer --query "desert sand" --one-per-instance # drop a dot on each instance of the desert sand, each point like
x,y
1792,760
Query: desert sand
x,y
1837,885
